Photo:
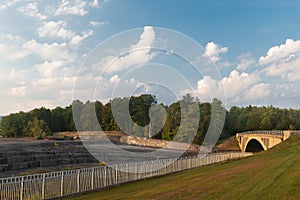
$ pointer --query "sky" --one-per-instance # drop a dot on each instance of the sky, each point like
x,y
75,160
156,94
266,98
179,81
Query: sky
x,y
52,52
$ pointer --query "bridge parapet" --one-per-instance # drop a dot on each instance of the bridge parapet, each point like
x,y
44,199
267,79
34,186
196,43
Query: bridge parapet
x,y
267,132
295,132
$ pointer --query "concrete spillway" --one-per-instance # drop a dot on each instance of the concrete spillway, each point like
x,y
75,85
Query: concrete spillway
x,y
22,154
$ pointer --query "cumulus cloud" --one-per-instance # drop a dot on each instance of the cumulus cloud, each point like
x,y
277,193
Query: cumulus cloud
x,y
47,51
213,51
31,10
78,39
47,68
236,85
55,29
259,90
10,47
283,61
75,7
245,61
137,54
282,52
14,48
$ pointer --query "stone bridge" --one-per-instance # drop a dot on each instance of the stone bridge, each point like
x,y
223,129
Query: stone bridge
x,y
255,141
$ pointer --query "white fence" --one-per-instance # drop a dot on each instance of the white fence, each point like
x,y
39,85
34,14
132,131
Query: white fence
x,y
62,183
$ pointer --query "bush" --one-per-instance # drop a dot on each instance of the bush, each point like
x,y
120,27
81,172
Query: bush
x,y
101,163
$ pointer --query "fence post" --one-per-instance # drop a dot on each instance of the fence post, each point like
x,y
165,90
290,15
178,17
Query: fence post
x,y
136,172
105,183
22,188
127,172
62,184
43,187
78,180
92,179
145,169
116,174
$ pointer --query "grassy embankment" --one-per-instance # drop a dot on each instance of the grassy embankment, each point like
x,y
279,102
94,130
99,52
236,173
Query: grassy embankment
x,y
274,174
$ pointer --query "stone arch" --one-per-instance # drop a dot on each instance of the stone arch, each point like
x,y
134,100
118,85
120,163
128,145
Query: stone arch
x,y
254,145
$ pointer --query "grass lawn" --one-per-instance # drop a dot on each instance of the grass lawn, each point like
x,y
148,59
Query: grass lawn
x,y
274,174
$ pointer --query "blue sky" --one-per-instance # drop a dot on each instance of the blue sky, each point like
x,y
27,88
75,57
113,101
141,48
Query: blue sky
x,y
255,44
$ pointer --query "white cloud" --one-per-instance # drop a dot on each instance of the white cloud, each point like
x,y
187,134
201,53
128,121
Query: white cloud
x,y
287,90
259,90
115,79
213,51
14,48
116,87
47,68
7,3
31,10
98,23
11,52
62,82
54,29
75,7
224,64
77,39
288,71
57,29
10,47
94,4
236,85
137,54
17,75
47,51
281,53
19,91
283,61
245,61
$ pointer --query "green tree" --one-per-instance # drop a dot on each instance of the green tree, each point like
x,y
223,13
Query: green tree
x,y
88,117
216,125
190,116
205,116
139,108
58,120
38,128
158,118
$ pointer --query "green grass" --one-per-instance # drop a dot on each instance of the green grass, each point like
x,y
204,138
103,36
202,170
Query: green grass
x,y
274,174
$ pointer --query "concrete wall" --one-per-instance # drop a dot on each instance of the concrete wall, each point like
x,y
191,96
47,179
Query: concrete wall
x,y
122,138
139,141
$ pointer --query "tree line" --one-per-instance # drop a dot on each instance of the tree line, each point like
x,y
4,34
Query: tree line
x,y
147,118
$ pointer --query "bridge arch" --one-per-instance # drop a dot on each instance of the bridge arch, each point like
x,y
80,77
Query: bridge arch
x,y
261,139
254,145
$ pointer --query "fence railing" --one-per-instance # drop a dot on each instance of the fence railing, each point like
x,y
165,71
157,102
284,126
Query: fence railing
x,y
62,183
268,132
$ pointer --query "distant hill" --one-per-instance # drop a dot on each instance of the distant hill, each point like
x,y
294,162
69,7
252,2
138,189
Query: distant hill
x,y
0,118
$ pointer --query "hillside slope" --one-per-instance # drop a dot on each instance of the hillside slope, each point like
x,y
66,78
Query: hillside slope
x,y
273,174
229,144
